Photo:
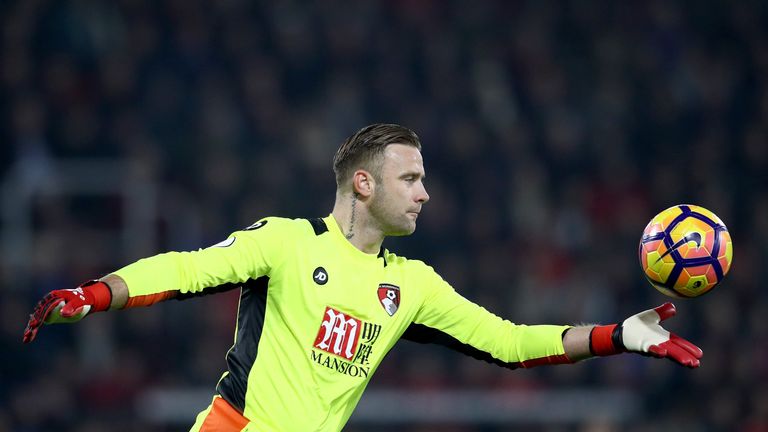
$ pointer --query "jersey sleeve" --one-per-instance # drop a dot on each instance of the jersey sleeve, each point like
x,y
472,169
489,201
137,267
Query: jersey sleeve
x,y
247,254
447,318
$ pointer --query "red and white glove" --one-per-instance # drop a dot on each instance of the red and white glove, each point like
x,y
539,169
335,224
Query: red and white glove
x,y
642,333
68,305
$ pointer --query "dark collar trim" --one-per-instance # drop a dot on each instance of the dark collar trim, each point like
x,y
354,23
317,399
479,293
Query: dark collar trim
x,y
381,255
318,225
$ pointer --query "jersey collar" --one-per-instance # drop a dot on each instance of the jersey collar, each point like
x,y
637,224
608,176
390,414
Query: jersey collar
x,y
333,228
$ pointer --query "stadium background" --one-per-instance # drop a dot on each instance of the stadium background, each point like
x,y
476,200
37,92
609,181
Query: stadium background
x,y
552,131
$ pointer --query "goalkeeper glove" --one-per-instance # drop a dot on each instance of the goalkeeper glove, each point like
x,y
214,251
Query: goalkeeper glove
x,y
68,305
642,334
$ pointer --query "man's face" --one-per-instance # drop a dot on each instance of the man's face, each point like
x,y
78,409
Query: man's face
x,y
398,197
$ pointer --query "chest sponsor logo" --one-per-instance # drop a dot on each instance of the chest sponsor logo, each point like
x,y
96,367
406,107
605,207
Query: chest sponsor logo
x,y
320,276
389,297
338,334
345,343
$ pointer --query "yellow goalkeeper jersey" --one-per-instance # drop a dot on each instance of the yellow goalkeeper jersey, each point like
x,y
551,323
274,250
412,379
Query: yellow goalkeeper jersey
x,y
317,316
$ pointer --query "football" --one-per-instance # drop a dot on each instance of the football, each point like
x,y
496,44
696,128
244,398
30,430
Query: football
x,y
685,251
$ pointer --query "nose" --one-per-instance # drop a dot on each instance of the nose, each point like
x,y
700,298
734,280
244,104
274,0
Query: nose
x,y
422,196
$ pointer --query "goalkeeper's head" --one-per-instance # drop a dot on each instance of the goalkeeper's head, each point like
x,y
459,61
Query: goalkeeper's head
x,y
365,150
381,166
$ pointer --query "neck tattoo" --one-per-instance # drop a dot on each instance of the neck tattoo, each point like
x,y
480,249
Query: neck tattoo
x,y
351,233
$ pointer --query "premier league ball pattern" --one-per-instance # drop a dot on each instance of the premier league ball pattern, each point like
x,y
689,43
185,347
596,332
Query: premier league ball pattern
x,y
685,251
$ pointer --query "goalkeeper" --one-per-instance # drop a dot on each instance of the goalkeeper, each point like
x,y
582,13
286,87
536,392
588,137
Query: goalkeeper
x,y
321,302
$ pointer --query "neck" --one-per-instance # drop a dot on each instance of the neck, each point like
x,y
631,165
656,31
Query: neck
x,y
355,223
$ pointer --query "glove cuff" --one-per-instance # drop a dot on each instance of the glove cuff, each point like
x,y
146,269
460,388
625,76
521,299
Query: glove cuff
x,y
101,294
606,340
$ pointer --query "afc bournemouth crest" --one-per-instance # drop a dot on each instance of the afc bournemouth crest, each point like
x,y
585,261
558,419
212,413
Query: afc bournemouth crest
x,y
389,297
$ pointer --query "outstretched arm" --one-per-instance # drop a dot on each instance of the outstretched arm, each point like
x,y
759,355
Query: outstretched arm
x,y
446,318
245,255
640,333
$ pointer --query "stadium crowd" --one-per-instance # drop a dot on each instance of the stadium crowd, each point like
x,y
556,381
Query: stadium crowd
x,y
552,132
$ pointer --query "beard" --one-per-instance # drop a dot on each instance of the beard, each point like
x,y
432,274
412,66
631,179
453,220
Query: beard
x,y
391,222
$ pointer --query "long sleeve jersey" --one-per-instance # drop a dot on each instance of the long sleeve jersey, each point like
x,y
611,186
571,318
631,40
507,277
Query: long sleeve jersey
x,y
317,316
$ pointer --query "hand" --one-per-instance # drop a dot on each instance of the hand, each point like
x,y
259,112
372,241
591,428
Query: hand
x,y
68,305
642,333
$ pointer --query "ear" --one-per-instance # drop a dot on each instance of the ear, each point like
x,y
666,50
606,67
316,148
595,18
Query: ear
x,y
363,183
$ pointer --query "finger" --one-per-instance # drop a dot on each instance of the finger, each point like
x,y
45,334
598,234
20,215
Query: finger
x,y
70,309
76,314
31,331
56,311
73,307
45,307
667,310
681,355
687,345
39,315
657,351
